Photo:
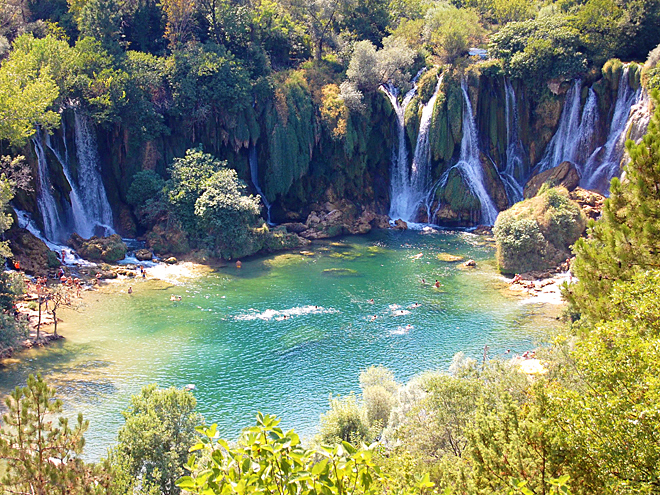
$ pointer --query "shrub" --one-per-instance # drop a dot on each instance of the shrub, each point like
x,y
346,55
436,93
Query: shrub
x,y
345,421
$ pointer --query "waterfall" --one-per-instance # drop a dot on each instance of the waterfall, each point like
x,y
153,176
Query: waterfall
x,y
89,188
469,163
254,175
400,175
576,132
513,176
605,162
45,201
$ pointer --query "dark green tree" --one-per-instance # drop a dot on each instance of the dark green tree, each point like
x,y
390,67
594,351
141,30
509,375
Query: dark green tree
x,y
42,457
626,240
153,444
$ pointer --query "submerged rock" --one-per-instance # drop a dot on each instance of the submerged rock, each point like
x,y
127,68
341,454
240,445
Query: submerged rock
x,y
108,249
536,234
449,258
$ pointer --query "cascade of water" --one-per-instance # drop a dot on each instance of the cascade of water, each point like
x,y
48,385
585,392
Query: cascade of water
x,y
45,201
90,188
254,175
605,162
80,216
400,175
575,134
513,175
411,186
469,163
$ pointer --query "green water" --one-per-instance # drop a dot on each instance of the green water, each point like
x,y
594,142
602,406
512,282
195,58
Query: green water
x,y
229,337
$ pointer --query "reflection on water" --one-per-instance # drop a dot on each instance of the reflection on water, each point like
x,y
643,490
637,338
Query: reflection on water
x,y
281,333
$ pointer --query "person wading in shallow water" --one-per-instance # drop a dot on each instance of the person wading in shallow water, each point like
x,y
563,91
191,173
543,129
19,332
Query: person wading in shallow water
x,y
130,290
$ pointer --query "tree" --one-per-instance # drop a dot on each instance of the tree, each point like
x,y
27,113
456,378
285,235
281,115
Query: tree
x,y
369,67
626,240
153,444
58,297
321,17
41,457
268,460
450,31
100,19
180,20
27,91
609,414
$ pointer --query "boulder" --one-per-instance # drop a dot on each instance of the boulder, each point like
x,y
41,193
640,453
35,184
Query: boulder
x,y
470,264
144,255
332,219
295,227
565,174
400,224
591,202
536,234
171,260
32,254
109,249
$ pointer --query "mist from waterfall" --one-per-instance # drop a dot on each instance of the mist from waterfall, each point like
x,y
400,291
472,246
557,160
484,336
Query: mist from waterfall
x,y
469,162
254,175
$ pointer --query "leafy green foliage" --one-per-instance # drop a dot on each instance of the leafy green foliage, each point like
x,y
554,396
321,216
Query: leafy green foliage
x,y
27,91
626,241
268,460
450,31
546,48
43,457
535,234
153,444
345,421
208,197
146,185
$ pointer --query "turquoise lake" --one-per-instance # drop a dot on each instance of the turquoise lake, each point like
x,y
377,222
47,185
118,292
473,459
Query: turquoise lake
x,y
283,332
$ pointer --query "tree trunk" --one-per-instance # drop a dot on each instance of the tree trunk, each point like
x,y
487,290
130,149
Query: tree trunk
x,y
39,320
54,323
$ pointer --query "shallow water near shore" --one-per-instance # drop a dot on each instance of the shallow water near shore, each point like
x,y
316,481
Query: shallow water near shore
x,y
283,332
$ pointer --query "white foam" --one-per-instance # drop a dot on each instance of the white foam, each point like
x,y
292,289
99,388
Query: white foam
x,y
270,314
402,330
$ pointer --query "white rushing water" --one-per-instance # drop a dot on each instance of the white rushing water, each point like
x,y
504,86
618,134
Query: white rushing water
x,y
400,172
574,139
254,175
50,213
605,162
513,177
469,163
89,187
25,221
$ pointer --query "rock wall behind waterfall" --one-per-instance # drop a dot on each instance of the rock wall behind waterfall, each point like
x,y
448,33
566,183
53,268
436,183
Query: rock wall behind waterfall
x,y
313,151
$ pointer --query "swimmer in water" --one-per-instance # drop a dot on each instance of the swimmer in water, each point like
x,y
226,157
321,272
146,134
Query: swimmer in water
x,y
371,301
437,284
172,297
178,298
373,318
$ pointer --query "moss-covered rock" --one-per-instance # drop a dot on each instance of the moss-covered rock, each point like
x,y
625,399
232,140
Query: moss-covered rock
x,y
536,234
108,249
565,175
31,253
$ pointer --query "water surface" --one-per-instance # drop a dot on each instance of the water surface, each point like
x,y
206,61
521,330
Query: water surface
x,y
283,332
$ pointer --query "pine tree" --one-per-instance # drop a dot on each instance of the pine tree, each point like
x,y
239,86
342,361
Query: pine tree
x,y
626,240
42,458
